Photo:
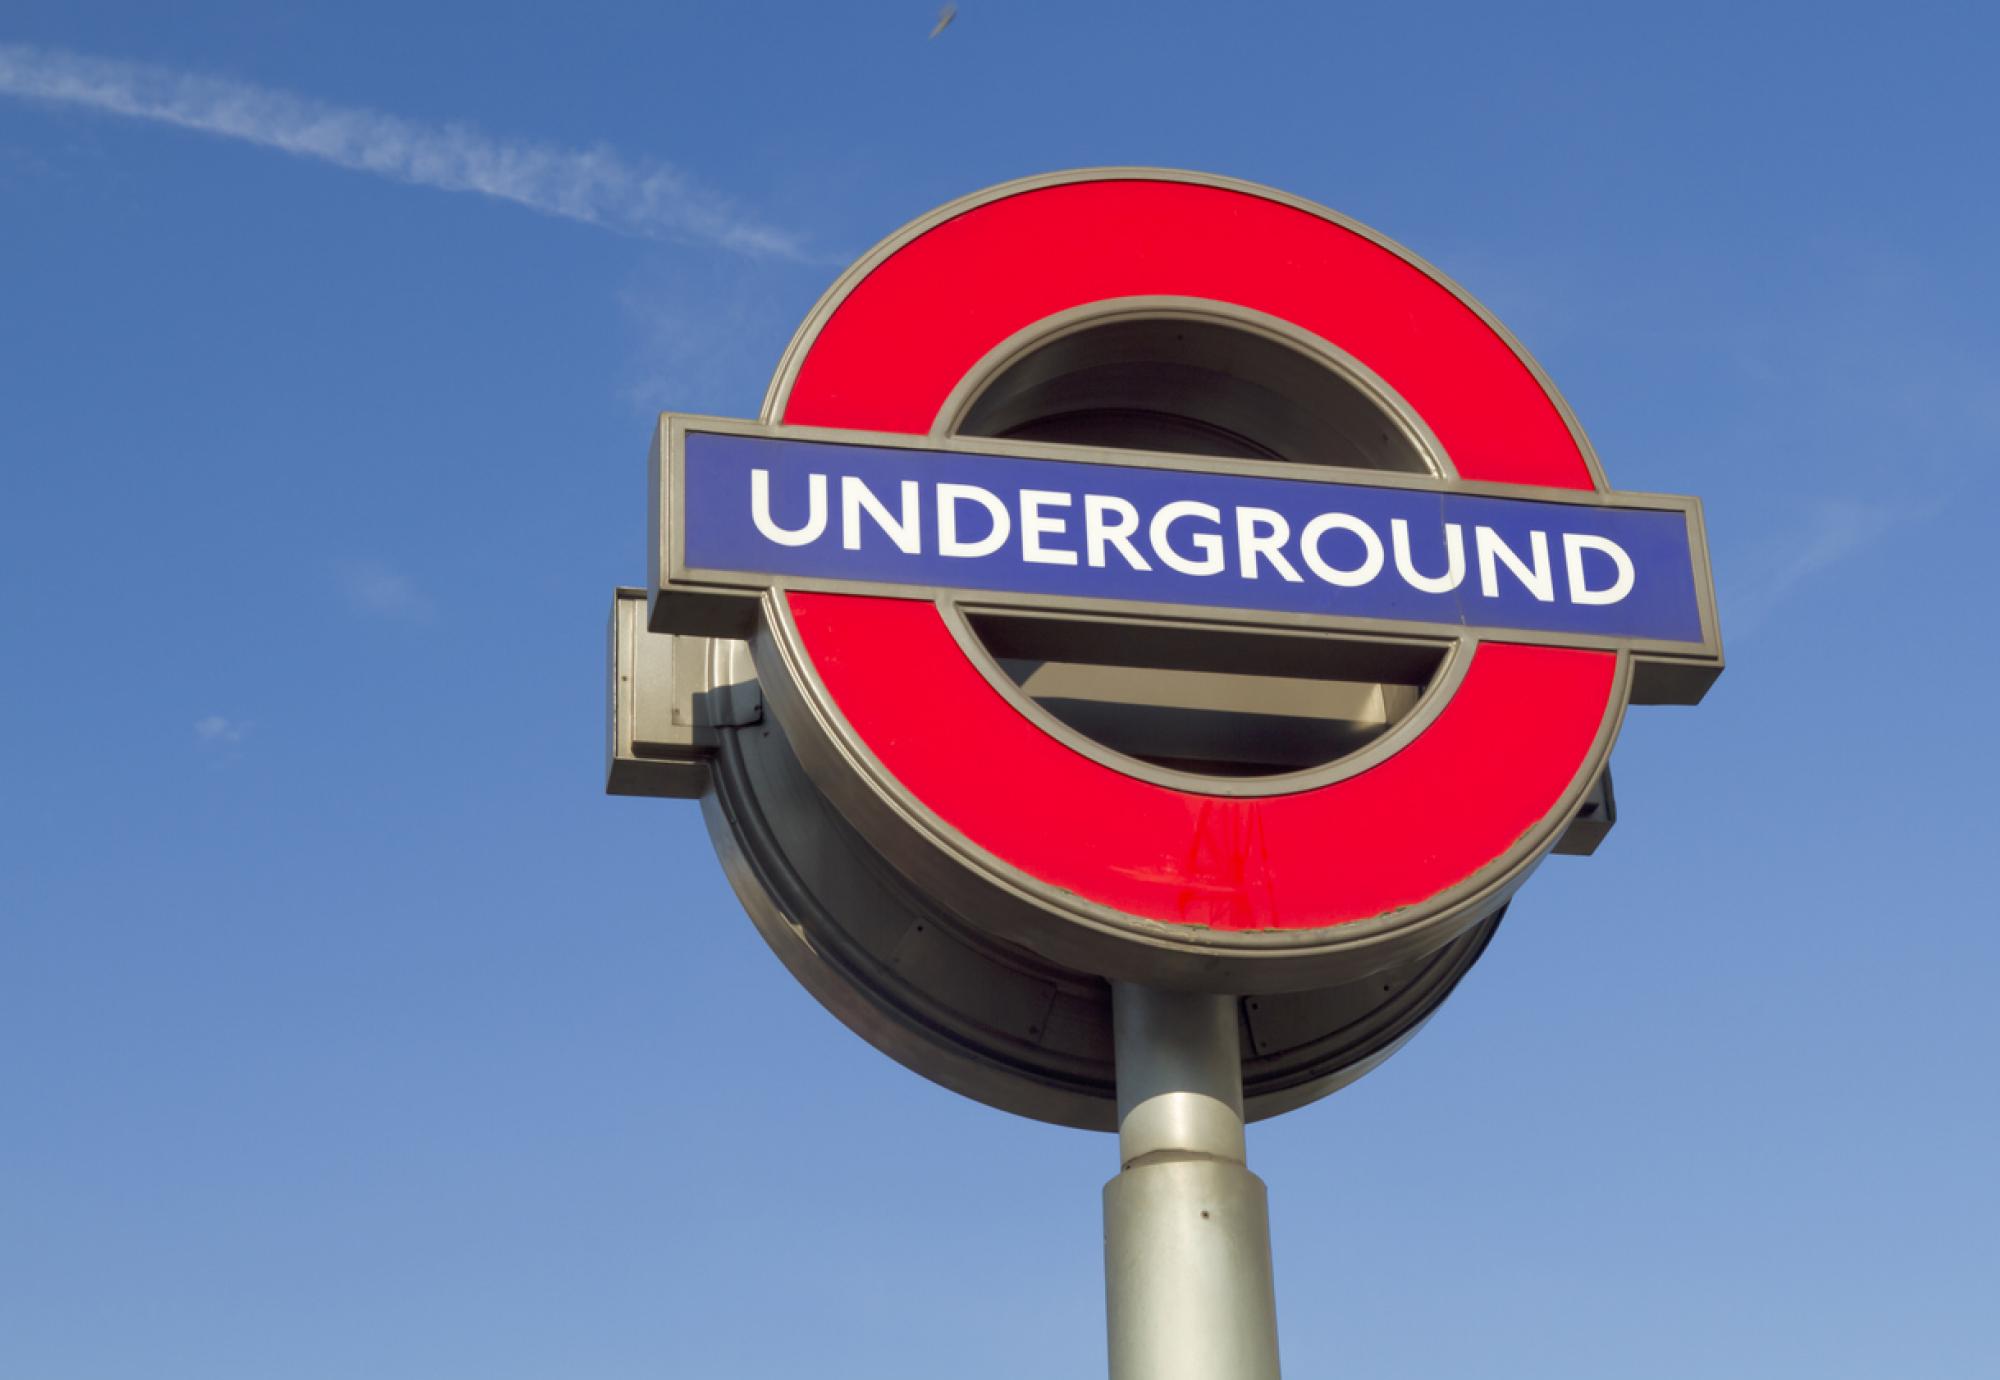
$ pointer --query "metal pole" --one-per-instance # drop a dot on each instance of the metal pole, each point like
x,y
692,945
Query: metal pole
x,y
1187,1227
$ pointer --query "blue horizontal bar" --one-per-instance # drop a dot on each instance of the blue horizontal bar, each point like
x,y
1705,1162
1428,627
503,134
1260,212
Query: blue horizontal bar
x,y
777,506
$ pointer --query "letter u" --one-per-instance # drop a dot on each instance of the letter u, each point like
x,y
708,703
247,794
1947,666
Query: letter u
x,y
760,510
1454,566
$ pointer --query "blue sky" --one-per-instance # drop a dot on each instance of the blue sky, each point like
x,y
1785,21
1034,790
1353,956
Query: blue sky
x,y
347,1030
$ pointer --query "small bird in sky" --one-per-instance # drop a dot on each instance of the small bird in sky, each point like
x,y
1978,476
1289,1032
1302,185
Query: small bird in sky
x,y
945,16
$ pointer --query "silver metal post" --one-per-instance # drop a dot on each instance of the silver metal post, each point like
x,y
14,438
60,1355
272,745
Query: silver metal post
x,y
1187,1227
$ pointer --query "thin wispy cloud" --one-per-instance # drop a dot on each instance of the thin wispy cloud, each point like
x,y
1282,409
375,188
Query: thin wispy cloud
x,y
1827,533
378,588
1869,388
214,730
596,186
699,336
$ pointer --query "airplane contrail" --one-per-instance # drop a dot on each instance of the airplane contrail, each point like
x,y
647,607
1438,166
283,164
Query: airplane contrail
x,y
596,185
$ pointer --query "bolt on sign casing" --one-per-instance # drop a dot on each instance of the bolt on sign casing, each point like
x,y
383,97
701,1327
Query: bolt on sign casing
x,y
1149,578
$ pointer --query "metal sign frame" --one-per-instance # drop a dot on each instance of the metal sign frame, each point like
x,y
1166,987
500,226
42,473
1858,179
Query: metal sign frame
x,y
724,603
905,824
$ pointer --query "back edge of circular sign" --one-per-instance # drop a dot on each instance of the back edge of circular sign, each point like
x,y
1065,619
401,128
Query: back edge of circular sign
x,y
1107,872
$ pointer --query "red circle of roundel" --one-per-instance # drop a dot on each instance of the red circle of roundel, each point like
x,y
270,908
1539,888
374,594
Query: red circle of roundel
x,y
1490,767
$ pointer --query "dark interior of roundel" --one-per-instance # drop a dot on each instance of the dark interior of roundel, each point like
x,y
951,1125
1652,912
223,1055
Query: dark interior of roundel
x,y
1225,703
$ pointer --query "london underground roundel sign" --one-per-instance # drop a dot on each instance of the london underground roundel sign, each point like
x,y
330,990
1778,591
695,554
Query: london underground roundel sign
x,y
890,562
